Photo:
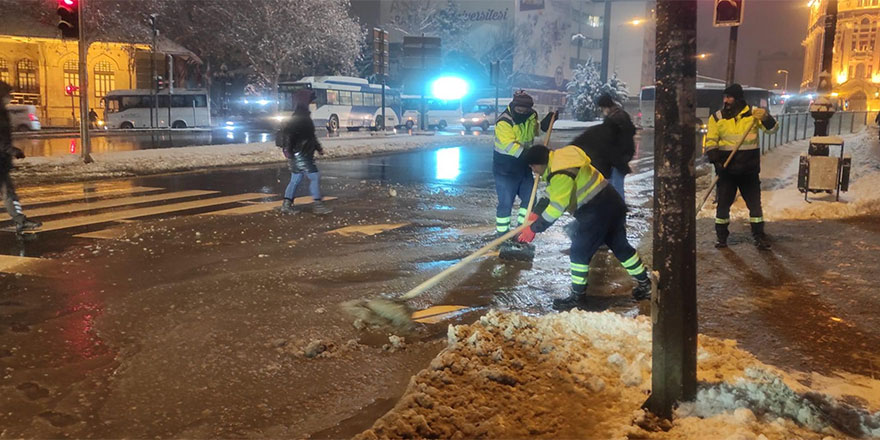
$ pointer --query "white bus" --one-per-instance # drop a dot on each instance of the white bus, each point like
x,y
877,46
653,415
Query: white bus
x,y
709,99
134,108
341,102
440,113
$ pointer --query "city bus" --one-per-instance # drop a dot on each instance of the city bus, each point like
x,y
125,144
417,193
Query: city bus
x,y
709,99
341,102
440,113
135,108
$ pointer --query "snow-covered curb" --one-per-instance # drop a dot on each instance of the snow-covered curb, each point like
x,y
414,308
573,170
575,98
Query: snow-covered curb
x,y
35,170
783,201
585,375
568,124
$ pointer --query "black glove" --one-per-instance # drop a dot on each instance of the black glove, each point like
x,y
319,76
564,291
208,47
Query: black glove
x,y
17,153
545,123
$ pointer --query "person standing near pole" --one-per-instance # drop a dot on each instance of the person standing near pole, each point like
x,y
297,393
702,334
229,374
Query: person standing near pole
x,y
515,130
7,153
622,146
737,120
299,146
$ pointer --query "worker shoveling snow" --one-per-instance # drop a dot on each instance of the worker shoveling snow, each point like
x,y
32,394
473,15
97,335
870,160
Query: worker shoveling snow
x,y
585,375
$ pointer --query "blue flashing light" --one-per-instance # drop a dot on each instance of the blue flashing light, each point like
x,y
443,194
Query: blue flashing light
x,y
449,88
263,101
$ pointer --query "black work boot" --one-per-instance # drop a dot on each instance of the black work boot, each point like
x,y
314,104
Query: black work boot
x,y
27,225
761,240
721,234
287,207
642,291
575,296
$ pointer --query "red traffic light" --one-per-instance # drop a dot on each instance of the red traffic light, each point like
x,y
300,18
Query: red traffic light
x,y
728,13
70,90
67,2
68,18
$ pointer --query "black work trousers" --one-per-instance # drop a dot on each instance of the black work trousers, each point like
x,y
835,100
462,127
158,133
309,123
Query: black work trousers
x,y
749,185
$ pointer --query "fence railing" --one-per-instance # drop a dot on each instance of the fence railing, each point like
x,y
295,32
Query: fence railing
x,y
798,126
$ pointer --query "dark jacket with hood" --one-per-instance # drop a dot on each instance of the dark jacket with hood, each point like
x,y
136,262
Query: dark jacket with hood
x,y
7,151
299,134
596,141
623,146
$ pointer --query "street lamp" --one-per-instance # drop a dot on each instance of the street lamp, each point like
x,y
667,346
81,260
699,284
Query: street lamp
x,y
633,22
785,83
703,55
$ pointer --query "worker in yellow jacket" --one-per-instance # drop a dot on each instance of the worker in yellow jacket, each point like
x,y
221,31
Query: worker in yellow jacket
x,y
574,185
726,127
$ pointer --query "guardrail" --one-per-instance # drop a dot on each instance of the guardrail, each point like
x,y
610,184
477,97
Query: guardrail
x,y
799,126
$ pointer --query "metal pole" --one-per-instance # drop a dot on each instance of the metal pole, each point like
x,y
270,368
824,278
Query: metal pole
x,y
822,108
606,36
170,85
83,49
674,308
153,74
383,99
731,55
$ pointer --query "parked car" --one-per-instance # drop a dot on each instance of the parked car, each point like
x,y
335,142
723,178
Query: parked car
x,y
483,113
797,104
24,117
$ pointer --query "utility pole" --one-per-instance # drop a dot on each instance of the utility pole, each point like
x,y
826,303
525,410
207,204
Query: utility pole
x,y
822,109
674,305
83,49
731,55
170,85
606,36
785,84
154,104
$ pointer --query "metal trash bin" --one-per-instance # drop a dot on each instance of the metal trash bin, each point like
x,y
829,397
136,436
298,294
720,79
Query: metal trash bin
x,y
818,171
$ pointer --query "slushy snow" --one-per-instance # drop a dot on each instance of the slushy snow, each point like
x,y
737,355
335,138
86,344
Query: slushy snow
x,y
585,375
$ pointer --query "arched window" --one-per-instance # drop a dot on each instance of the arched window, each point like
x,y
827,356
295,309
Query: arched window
x,y
71,74
105,80
4,71
26,76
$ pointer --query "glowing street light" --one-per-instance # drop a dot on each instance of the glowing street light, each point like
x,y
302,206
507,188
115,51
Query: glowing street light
x,y
704,55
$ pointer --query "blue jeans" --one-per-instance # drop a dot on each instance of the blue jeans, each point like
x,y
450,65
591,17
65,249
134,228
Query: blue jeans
x,y
314,185
508,188
616,181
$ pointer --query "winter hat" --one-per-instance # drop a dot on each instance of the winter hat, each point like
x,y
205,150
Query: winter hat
x,y
5,89
605,101
537,155
735,91
521,98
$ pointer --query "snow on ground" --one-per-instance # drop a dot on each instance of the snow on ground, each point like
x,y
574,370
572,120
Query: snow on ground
x,y
154,161
585,375
782,200
568,124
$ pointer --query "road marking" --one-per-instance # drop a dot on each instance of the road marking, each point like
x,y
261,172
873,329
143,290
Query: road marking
x,y
143,212
253,208
110,203
435,314
106,234
366,229
25,265
71,188
41,200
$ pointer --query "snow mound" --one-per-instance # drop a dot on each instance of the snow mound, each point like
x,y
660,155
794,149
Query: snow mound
x,y
586,375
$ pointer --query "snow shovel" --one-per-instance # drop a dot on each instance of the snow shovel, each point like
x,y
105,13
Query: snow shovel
x,y
525,251
395,312
726,162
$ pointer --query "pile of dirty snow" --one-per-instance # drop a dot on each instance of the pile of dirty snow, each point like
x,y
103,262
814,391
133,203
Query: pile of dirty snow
x,y
586,375
782,200
35,170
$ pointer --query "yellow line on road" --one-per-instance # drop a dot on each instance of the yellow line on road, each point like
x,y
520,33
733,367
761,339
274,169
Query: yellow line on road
x,y
263,206
25,265
144,212
72,187
110,203
29,201
366,229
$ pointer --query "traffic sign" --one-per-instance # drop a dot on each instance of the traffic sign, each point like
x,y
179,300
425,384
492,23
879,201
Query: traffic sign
x,y
728,13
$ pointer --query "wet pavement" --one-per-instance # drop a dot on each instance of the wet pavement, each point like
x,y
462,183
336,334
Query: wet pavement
x,y
220,318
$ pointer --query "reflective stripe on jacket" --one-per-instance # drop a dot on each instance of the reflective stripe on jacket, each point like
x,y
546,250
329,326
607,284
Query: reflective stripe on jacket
x,y
724,134
512,139
572,182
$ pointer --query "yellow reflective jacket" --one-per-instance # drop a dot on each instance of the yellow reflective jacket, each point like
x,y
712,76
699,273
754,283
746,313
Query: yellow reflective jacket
x,y
572,182
511,139
723,135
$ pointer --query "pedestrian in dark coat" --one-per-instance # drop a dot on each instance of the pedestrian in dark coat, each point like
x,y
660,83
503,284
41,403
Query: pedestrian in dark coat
x,y
7,153
300,144
623,145
597,142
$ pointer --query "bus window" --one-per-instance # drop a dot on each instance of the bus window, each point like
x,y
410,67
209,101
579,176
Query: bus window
x,y
332,97
369,100
344,98
357,98
163,101
178,101
135,102
112,104
199,100
320,97
647,94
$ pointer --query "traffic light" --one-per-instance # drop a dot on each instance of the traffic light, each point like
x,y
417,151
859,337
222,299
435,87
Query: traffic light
x,y
728,13
70,90
68,18
160,83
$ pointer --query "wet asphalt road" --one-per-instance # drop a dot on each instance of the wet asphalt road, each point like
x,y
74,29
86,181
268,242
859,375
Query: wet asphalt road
x,y
187,325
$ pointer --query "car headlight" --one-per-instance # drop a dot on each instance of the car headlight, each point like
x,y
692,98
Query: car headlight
x,y
463,119
278,118
475,119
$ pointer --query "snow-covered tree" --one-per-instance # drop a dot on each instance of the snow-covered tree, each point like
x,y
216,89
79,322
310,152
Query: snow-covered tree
x,y
616,88
434,18
583,90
